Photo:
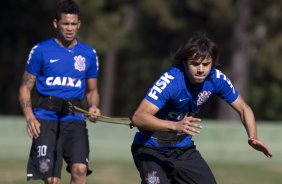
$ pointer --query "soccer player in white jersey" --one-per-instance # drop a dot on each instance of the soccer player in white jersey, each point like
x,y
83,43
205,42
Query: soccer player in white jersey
x,y
163,148
64,70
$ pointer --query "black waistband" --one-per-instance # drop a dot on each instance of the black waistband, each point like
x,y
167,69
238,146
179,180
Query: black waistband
x,y
165,138
59,105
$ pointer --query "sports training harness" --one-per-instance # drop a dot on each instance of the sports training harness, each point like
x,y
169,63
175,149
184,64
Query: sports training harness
x,y
59,105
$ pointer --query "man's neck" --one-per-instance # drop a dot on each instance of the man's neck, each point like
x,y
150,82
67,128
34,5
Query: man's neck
x,y
66,44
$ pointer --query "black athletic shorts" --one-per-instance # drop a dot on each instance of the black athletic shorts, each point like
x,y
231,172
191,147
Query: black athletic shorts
x,y
57,141
176,166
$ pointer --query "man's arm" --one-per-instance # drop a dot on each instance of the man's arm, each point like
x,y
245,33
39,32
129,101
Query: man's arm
x,y
144,118
25,89
92,97
248,120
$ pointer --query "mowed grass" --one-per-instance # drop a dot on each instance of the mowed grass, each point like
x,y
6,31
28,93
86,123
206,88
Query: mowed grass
x,y
232,173
13,172
223,145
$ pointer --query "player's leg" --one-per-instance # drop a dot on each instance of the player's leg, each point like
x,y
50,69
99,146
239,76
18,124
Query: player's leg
x,y
45,162
78,173
53,180
152,168
190,167
76,150
151,172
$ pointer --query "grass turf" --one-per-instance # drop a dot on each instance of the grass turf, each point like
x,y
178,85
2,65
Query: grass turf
x,y
13,172
223,145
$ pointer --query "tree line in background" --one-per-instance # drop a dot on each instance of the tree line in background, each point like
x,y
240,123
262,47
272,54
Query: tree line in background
x,y
135,40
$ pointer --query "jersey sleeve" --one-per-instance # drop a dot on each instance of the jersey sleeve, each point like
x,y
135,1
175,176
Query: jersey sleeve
x,y
94,67
162,90
34,61
225,89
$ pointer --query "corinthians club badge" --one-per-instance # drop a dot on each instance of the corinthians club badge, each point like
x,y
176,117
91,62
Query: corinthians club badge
x,y
79,63
44,165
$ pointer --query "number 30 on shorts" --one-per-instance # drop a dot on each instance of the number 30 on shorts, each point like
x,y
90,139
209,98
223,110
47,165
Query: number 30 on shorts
x,y
41,150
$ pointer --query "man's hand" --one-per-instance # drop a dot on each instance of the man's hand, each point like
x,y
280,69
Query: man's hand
x,y
259,146
96,111
188,125
33,128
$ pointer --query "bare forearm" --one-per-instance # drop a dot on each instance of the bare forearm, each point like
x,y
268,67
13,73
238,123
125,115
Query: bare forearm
x,y
246,115
93,98
188,125
150,122
27,84
249,122
25,102
144,118
92,95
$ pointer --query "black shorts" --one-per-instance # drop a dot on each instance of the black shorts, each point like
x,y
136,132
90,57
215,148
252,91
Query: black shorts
x,y
57,141
177,166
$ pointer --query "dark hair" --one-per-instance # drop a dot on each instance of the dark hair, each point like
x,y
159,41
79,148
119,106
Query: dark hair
x,y
198,47
67,7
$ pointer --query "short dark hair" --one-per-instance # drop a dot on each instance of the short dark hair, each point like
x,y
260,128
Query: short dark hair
x,y
67,7
198,47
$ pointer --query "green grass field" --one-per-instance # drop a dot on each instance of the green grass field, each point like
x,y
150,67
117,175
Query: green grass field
x,y
222,144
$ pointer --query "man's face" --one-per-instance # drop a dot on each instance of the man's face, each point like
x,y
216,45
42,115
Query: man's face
x,y
198,70
67,27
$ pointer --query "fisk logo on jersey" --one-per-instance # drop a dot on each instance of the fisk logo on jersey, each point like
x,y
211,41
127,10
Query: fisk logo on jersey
x,y
203,97
219,73
79,63
63,81
160,85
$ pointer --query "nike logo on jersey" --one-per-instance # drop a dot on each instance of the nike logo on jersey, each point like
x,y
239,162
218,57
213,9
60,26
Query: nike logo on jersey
x,y
183,99
54,60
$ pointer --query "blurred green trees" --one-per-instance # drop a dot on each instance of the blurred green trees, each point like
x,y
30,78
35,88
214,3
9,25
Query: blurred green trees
x,y
135,39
